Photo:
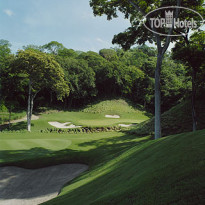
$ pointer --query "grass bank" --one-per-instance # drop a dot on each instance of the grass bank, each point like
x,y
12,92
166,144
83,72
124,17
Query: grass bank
x,y
166,171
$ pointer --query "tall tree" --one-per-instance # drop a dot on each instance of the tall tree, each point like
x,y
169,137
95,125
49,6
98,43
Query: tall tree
x,y
80,77
40,70
135,11
53,47
102,69
5,52
109,54
33,47
190,51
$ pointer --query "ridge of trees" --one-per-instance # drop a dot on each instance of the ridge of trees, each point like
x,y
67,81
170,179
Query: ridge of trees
x,y
90,75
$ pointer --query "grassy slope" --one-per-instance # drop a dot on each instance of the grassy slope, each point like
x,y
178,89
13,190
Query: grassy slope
x,y
177,120
21,146
166,171
93,115
124,169
41,149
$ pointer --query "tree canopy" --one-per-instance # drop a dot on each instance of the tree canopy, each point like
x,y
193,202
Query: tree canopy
x,y
137,33
41,70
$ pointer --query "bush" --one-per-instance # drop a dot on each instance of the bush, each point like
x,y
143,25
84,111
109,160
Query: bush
x,y
82,130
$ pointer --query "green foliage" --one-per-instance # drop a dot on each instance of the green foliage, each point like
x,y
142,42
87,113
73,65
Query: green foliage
x,y
102,70
33,47
175,84
109,54
134,11
80,76
111,106
5,52
64,52
53,47
4,116
138,82
176,120
42,70
10,86
191,52
82,130
3,108
113,72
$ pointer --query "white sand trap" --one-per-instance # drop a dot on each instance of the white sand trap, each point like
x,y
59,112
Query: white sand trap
x,y
63,125
112,116
124,125
31,187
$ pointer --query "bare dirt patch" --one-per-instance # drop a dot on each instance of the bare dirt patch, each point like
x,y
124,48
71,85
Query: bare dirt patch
x,y
34,117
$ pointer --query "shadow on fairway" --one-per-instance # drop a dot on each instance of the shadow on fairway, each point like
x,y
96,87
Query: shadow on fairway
x,y
38,157
15,127
117,144
104,151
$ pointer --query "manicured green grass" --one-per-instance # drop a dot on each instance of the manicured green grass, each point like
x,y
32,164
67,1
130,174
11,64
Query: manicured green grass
x,y
166,171
40,149
111,107
123,168
93,116
90,119
26,144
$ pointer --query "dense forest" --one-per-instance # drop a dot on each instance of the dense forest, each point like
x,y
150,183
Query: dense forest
x,y
55,76
90,76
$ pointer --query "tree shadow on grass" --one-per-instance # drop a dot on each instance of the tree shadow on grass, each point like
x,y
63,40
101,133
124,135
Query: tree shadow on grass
x,y
104,151
15,127
124,141
116,169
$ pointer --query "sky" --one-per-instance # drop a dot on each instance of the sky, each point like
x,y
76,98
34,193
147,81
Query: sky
x,y
70,22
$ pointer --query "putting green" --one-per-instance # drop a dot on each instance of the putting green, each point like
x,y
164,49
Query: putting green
x,y
27,144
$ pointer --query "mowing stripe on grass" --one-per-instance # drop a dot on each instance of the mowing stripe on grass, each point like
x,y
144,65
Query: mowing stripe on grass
x,y
31,143
13,145
51,144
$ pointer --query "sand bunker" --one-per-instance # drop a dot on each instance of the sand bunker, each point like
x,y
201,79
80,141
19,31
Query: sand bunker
x,y
112,116
124,125
31,187
63,125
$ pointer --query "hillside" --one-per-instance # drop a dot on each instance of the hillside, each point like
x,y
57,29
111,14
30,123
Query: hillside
x,y
176,120
123,169
93,115
144,175
115,106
